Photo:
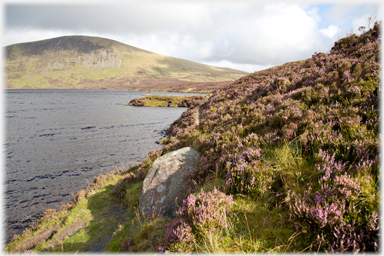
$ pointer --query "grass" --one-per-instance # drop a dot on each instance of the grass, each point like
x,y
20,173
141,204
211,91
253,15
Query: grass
x,y
141,65
259,224
164,100
288,163
92,205
145,234
254,227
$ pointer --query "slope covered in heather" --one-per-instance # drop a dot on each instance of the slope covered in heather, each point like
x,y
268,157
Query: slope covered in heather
x,y
302,137
289,163
81,62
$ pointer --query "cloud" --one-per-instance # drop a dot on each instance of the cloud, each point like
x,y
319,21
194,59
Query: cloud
x,y
244,67
21,35
330,32
237,34
349,17
108,18
268,35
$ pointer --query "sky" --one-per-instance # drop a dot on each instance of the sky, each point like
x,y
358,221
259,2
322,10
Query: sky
x,y
244,35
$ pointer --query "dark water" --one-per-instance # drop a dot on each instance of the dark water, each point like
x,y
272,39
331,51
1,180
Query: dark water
x,y
58,140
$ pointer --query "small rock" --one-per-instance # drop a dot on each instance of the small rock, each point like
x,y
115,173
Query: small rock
x,y
37,239
165,185
69,231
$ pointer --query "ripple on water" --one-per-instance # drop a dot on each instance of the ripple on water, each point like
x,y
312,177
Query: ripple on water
x,y
66,139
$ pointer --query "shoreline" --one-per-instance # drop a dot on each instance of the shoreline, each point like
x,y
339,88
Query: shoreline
x,y
43,202
112,169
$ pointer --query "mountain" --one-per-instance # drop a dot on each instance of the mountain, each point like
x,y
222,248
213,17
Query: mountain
x,y
82,62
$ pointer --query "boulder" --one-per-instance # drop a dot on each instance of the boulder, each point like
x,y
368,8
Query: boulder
x,y
166,183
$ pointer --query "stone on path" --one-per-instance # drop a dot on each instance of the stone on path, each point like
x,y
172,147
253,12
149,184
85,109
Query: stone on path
x,y
69,231
37,239
165,185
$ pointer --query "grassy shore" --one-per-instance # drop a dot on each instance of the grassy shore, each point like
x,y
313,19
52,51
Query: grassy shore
x,y
104,212
168,101
114,223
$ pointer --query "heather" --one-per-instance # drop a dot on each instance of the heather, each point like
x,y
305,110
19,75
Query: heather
x,y
289,163
304,137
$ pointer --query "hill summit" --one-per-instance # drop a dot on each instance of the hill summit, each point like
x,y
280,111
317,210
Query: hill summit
x,y
81,62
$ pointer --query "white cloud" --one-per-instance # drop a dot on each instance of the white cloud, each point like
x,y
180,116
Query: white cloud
x,y
272,34
244,67
14,36
330,32
241,35
349,17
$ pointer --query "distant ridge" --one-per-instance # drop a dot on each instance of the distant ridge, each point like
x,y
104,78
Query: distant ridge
x,y
82,62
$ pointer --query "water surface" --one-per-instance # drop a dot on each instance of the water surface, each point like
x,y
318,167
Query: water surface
x,y
57,141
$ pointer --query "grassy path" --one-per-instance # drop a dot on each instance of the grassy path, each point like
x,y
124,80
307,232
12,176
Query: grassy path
x,y
115,214
105,215
88,226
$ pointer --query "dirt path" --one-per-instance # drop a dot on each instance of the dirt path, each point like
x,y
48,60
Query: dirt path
x,y
198,119
119,214
201,109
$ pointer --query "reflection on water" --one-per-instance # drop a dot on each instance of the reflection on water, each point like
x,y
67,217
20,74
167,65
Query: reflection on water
x,y
58,140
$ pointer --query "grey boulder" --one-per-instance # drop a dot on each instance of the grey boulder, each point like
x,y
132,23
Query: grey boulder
x,y
165,185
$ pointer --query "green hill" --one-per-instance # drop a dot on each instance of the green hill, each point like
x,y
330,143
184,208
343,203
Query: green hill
x,y
80,62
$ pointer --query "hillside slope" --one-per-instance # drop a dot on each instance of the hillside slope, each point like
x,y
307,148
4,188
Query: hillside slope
x,y
303,138
91,62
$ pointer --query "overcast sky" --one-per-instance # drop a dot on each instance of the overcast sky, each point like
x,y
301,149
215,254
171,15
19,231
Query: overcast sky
x,y
245,35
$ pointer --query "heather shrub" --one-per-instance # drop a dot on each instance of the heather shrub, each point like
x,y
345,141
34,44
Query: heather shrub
x,y
336,215
304,135
206,212
128,245
200,214
178,238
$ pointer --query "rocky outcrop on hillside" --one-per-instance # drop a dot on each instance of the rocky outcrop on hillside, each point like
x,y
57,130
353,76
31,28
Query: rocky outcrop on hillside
x,y
97,63
101,58
165,185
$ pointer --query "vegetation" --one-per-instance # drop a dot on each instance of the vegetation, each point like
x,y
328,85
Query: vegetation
x,y
79,62
289,163
303,138
168,101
